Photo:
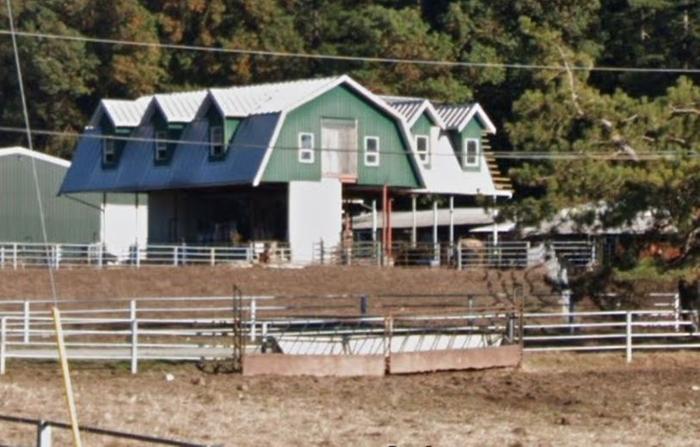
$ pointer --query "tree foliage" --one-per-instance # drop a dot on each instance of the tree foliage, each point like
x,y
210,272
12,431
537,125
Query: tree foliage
x,y
622,114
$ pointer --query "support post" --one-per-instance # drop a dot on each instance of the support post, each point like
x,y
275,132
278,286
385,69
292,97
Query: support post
x,y
628,338
43,434
212,256
436,246
677,310
495,225
14,256
134,346
57,256
3,340
364,305
459,257
385,206
452,220
175,255
100,255
414,221
374,221
253,312
25,321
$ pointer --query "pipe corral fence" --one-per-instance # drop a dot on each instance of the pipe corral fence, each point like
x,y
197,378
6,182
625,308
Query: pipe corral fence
x,y
466,254
222,332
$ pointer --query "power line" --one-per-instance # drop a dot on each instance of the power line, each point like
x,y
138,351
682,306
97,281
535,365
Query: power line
x,y
346,58
512,155
28,130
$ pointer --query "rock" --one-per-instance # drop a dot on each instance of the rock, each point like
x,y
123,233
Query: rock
x,y
169,377
695,388
198,381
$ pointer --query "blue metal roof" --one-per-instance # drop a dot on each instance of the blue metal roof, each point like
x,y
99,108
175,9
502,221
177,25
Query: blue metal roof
x,y
189,167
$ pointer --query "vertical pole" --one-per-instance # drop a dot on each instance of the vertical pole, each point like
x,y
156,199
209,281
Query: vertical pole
x,y
677,310
134,346
374,220
452,220
100,255
495,225
3,336
364,305
136,222
25,321
414,221
389,234
436,247
459,257
2,257
43,434
212,256
14,256
253,312
629,336
175,255
385,206
68,386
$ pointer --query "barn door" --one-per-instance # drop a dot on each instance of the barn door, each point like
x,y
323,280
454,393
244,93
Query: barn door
x,y
339,149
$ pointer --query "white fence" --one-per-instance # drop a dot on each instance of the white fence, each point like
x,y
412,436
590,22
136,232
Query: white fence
x,y
16,255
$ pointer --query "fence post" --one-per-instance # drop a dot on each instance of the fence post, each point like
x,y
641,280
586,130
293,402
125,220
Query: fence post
x,y
134,346
14,256
677,310
459,256
57,256
364,305
2,257
629,336
388,331
253,309
322,253
25,319
212,256
100,255
3,335
43,434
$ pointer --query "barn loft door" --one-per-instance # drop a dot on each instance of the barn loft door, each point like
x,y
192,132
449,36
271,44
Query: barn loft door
x,y
339,149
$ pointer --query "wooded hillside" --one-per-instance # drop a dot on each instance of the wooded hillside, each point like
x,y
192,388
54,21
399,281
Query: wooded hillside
x,y
631,116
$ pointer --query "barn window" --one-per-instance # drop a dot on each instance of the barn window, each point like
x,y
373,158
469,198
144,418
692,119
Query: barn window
x,y
109,152
423,148
161,146
470,154
372,151
216,141
306,147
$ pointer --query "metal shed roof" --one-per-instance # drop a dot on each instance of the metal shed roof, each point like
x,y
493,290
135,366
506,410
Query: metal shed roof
x,y
123,113
412,108
458,116
22,151
180,107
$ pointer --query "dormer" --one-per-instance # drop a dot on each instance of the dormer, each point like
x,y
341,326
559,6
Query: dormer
x,y
222,124
116,120
468,127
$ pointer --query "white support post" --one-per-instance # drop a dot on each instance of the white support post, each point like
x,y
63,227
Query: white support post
x,y
43,434
452,220
414,221
629,336
253,311
374,221
3,337
134,346
459,257
212,256
14,256
495,225
57,256
677,310
132,310
436,242
2,257
100,255
175,256
26,313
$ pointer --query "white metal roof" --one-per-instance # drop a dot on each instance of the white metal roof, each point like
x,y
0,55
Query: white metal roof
x,y
22,151
458,116
412,108
180,107
125,113
268,98
424,218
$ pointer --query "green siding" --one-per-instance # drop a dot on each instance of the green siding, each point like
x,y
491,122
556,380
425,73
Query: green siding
x,y
395,168
422,125
67,220
230,127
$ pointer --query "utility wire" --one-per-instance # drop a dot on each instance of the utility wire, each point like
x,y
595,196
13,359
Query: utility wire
x,y
347,58
513,155
28,129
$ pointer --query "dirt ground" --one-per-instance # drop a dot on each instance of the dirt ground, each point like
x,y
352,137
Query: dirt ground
x,y
552,400
208,281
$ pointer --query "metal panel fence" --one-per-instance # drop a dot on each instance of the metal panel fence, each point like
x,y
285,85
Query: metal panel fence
x,y
16,255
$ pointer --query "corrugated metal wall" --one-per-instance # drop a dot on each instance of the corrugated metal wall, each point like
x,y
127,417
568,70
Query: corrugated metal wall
x,y
68,220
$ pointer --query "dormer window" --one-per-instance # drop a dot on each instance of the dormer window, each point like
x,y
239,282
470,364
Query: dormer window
x,y
470,154
216,141
423,148
161,151
109,151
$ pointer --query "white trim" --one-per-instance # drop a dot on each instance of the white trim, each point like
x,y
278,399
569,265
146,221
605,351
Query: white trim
x,y
428,151
212,146
477,110
465,153
375,154
301,151
428,107
161,146
22,151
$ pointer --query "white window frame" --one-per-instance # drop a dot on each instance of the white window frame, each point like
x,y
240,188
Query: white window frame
x,y
424,156
109,151
374,154
306,155
465,153
216,141
161,148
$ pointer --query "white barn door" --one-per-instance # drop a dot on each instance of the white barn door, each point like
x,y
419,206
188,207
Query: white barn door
x,y
339,148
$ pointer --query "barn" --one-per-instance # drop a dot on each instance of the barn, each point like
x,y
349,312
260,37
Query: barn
x,y
70,218
277,162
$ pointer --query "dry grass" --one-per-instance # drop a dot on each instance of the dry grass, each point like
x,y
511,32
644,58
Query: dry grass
x,y
552,400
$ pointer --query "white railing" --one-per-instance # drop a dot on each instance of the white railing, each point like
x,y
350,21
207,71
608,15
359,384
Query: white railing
x,y
16,255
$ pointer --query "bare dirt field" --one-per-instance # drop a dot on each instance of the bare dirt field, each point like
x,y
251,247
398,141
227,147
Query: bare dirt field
x,y
552,400
208,281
